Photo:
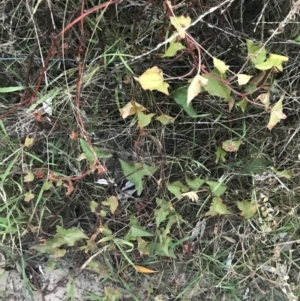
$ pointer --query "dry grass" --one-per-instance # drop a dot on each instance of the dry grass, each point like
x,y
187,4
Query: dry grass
x,y
231,258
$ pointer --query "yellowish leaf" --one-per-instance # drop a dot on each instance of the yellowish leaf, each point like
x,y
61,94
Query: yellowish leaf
x,y
144,119
165,119
93,206
248,209
217,207
81,157
276,114
112,202
144,270
265,99
231,102
47,185
59,183
274,60
59,253
29,177
28,196
243,79
153,79
278,60
131,108
195,87
231,145
143,246
28,141
283,173
103,213
173,48
180,23
220,65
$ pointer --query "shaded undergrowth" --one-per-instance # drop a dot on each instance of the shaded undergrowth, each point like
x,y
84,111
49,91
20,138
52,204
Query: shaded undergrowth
x,y
48,187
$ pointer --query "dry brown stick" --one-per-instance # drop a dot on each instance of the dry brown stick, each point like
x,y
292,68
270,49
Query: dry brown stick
x,y
29,67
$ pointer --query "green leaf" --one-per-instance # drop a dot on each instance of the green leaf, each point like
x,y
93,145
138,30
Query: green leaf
x,y
70,291
143,246
180,97
173,48
136,230
47,185
231,145
216,188
217,207
102,153
10,89
250,88
164,247
112,202
111,294
216,87
98,267
165,119
87,152
256,166
194,184
297,39
135,173
242,104
283,173
162,213
176,188
220,155
93,206
52,246
256,52
248,209
175,218
70,236
274,60
45,249
106,231
144,119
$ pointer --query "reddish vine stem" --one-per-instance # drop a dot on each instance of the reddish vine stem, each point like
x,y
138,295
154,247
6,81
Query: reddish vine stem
x,y
32,98
54,41
29,67
80,67
66,29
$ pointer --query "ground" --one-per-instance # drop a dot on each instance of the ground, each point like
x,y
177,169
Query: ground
x,y
129,173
